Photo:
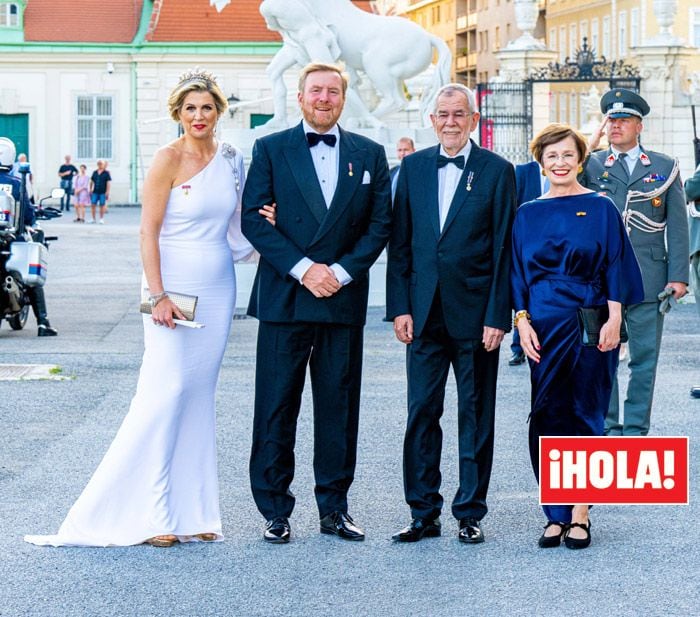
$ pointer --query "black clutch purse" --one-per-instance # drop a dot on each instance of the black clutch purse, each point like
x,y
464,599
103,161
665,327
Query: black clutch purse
x,y
591,320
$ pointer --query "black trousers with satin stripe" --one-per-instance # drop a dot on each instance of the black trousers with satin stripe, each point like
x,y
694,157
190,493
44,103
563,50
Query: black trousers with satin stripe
x,y
333,354
428,362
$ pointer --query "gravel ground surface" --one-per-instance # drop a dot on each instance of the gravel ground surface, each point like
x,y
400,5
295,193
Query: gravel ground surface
x,y
643,560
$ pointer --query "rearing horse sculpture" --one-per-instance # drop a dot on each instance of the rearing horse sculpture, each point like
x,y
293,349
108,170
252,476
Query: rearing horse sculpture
x,y
387,50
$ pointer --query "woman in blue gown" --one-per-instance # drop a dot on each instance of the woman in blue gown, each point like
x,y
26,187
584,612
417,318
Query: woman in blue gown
x,y
570,250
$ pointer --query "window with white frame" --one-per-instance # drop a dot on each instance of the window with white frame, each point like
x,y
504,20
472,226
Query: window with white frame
x,y
573,109
562,43
606,36
95,121
573,40
594,36
9,14
622,34
634,27
583,31
694,34
563,107
552,38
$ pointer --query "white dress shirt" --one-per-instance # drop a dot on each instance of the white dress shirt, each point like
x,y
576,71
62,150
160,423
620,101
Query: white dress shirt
x,y
631,158
326,160
448,178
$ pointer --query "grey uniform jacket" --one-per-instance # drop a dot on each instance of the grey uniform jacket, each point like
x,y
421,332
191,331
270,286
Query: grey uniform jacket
x,y
692,192
663,257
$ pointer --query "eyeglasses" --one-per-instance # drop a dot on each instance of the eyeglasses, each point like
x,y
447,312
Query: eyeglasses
x,y
567,157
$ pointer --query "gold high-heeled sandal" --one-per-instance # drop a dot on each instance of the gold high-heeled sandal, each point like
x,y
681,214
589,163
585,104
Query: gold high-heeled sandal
x,y
162,541
206,537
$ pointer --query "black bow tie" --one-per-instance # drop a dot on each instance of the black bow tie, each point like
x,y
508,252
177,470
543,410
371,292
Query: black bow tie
x,y
315,138
444,160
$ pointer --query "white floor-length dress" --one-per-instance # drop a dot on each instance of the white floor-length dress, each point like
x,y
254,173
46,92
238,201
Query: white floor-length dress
x,y
159,475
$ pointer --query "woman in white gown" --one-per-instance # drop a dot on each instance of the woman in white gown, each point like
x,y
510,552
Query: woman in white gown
x,y
158,481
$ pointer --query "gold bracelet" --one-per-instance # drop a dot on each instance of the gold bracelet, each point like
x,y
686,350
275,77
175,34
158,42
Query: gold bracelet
x,y
520,315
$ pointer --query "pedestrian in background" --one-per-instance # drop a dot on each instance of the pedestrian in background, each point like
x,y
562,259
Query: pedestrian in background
x,y
100,183
404,147
82,194
22,160
66,173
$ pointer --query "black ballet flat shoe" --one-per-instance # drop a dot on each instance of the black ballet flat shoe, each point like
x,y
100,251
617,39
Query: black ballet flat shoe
x,y
552,541
576,543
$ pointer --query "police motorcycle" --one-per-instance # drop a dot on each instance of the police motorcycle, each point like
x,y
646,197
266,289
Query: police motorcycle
x,y
23,254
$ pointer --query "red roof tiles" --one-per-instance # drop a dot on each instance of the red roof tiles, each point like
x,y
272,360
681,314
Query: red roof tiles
x,y
117,21
196,20
110,21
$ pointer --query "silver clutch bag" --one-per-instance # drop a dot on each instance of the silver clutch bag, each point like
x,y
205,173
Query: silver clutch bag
x,y
186,303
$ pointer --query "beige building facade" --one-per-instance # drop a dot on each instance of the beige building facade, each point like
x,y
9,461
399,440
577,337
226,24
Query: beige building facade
x,y
477,29
613,30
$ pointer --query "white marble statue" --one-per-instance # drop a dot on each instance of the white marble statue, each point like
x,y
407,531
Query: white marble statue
x,y
385,50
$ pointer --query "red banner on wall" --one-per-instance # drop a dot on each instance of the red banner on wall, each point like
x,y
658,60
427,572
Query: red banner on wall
x,y
614,470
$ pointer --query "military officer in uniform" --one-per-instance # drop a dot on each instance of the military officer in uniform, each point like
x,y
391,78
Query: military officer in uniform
x,y
646,188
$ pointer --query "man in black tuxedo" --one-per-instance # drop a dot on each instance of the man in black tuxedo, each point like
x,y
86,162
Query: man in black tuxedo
x,y
448,296
333,217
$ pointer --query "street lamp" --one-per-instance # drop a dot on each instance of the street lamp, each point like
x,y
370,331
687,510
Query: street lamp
x,y
232,100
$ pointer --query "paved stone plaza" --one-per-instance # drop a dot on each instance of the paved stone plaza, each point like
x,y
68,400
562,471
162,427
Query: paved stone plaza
x,y
643,560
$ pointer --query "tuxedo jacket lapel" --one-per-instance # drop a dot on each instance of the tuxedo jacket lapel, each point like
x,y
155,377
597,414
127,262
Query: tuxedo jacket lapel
x,y
429,181
351,160
302,166
472,168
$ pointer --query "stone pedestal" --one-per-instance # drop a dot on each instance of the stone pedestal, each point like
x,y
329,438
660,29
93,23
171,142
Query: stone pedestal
x,y
667,127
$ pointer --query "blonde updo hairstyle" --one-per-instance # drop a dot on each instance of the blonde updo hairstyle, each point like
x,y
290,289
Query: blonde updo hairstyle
x,y
553,134
195,80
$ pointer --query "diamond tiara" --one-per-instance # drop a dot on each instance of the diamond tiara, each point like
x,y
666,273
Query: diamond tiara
x,y
197,74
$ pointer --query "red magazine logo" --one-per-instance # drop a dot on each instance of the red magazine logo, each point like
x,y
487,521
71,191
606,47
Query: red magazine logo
x,y
614,470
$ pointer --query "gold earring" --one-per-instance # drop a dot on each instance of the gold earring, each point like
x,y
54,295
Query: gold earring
x,y
580,169
543,172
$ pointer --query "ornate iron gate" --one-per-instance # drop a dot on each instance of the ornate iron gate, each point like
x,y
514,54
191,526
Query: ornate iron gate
x,y
506,108
506,119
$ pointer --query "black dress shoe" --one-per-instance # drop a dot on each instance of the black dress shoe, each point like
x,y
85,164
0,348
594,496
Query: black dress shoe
x,y
277,530
418,529
517,358
470,531
695,392
552,541
340,524
575,543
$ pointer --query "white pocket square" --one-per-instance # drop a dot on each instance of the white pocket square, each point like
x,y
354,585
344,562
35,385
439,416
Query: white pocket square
x,y
366,178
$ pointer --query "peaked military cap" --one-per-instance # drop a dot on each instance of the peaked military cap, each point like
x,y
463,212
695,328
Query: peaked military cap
x,y
623,103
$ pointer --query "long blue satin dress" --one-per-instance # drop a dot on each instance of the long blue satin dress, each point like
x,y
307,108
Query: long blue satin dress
x,y
569,252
